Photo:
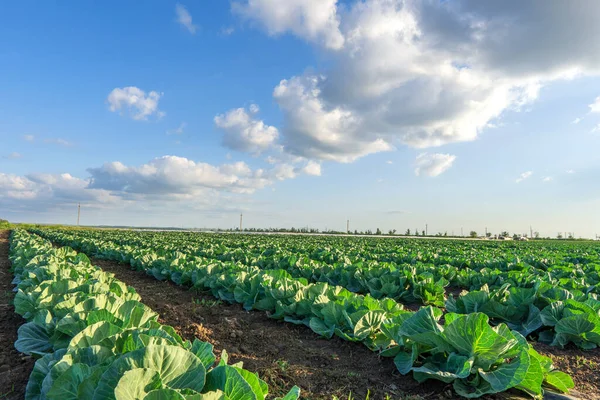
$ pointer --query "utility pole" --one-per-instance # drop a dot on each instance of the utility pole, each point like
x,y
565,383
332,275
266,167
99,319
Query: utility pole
x,y
486,231
530,232
241,216
78,212
426,230
461,232
347,226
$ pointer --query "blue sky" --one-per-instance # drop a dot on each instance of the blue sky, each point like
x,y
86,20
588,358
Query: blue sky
x,y
391,113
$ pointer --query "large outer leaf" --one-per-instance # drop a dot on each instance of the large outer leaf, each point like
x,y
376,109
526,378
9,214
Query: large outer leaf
x,y
508,375
472,336
136,383
178,369
94,334
33,339
164,394
231,382
66,386
454,367
559,380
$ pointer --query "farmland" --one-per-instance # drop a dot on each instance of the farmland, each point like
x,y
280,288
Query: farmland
x,y
476,318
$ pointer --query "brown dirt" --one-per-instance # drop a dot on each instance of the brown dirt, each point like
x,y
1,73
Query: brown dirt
x,y
283,354
14,366
582,365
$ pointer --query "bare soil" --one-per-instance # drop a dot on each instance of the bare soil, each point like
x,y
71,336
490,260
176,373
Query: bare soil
x,y
14,366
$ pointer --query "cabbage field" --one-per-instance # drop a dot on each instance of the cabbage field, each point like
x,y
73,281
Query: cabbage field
x,y
468,314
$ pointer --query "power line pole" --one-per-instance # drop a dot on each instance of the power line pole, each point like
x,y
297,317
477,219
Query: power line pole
x,y
426,230
241,216
530,232
486,231
461,232
347,226
78,212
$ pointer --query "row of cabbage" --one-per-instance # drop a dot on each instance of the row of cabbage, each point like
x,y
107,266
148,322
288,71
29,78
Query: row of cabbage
x,y
332,249
471,265
530,301
94,339
462,349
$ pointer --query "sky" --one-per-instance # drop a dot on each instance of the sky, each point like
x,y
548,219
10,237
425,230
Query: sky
x,y
394,114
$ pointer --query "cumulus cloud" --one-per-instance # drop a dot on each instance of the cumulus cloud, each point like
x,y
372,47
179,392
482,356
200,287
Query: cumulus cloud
x,y
312,168
421,73
28,138
433,164
184,18
313,20
523,176
547,179
576,121
595,106
172,176
570,171
135,100
48,191
243,132
314,130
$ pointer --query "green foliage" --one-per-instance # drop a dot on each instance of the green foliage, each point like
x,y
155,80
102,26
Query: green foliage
x,y
95,340
302,282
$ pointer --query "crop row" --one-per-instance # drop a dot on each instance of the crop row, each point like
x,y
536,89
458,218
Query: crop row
x,y
464,350
94,339
530,301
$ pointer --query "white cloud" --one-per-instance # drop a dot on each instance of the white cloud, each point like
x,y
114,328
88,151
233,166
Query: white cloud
x,y
13,156
433,164
389,162
312,168
134,99
576,121
172,176
184,18
595,106
313,20
243,132
178,130
28,138
315,131
36,191
547,179
570,171
523,176
422,74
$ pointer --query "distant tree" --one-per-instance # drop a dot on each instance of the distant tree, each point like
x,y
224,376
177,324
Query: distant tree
x,y
407,232
423,232
570,236
559,236
536,235
416,232
473,234
515,236
392,232
355,232
378,231
488,234
504,234
369,232
445,234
